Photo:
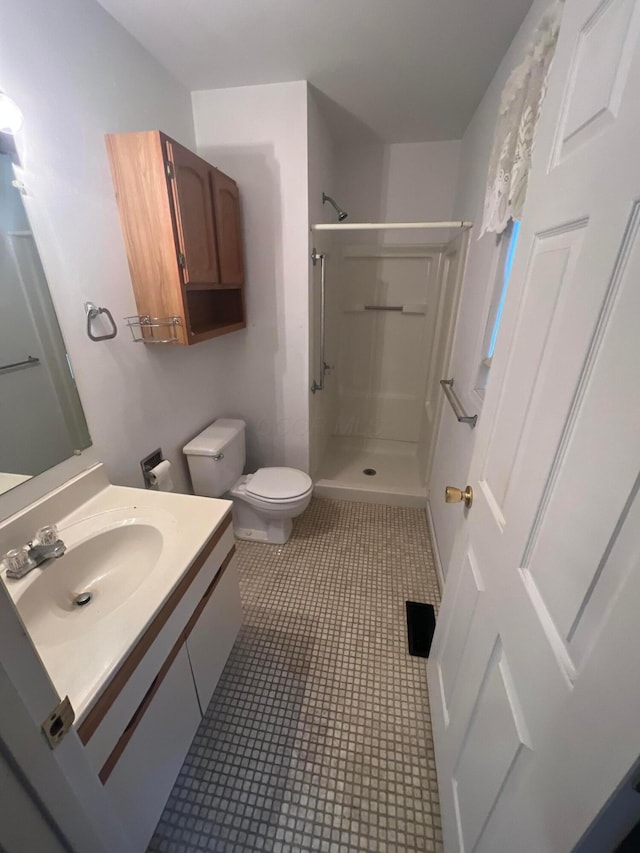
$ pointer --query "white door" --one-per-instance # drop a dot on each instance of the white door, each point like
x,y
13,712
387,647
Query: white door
x,y
533,679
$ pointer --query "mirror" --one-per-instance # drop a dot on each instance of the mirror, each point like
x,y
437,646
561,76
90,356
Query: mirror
x,y
41,417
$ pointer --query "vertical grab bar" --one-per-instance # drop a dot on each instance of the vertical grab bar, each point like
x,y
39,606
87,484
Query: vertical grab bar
x,y
315,257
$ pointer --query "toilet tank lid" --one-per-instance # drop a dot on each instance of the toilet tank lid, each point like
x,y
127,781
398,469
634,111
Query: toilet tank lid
x,y
214,438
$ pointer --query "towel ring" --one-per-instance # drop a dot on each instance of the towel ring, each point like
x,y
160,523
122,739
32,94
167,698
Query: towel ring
x,y
92,312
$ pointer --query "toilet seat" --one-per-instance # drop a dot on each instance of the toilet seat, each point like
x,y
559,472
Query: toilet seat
x,y
265,519
278,485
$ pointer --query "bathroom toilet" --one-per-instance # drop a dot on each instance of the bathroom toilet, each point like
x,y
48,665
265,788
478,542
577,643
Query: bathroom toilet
x,y
263,503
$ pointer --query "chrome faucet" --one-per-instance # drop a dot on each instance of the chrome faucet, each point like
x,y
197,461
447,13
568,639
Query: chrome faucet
x,y
45,546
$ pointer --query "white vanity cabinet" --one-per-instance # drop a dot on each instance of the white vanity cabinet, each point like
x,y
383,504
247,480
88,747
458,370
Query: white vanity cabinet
x,y
139,730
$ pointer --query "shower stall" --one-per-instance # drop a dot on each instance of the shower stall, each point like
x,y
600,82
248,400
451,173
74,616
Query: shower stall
x,y
382,317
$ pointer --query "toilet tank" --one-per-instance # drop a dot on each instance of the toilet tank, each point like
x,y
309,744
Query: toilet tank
x,y
216,457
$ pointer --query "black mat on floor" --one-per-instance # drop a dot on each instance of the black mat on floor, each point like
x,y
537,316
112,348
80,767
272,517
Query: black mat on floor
x,y
421,623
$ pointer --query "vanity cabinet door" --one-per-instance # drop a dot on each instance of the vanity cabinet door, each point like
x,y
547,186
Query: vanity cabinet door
x,y
141,781
194,215
215,632
228,228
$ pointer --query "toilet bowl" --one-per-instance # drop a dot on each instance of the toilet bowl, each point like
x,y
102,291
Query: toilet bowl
x,y
264,503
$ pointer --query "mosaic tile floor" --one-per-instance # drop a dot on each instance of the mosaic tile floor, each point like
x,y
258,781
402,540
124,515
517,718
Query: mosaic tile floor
x,y
318,736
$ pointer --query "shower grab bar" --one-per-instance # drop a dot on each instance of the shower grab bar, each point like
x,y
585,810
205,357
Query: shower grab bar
x,y
324,367
456,405
409,308
384,307
388,226
30,361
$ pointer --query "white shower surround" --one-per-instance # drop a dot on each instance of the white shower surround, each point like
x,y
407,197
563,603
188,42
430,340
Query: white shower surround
x,y
383,355
375,183
387,372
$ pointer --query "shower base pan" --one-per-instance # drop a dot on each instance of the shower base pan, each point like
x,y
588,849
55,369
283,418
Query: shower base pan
x,y
345,472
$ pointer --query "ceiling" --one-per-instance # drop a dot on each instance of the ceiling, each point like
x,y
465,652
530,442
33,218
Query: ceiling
x,y
401,70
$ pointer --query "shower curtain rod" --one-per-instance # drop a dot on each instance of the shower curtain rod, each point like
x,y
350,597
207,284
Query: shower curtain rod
x,y
387,226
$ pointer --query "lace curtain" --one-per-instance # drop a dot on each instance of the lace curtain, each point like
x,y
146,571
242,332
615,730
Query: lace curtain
x,y
520,105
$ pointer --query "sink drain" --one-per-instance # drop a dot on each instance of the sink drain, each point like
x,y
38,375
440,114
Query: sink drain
x,y
370,472
83,599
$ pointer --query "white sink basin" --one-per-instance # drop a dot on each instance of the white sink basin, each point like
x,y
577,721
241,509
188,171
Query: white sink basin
x,y
111,557
110,567
128,548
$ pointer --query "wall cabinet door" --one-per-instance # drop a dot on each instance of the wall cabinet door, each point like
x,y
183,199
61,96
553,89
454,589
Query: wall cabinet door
x,y
194,216
229,228
214,634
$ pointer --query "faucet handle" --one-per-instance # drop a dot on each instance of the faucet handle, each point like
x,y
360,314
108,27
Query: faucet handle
x,y
18,561
47,535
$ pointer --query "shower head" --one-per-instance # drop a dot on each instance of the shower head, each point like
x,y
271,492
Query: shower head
x,y
342,215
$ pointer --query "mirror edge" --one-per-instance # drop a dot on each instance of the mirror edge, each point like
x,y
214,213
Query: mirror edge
x,y
27,493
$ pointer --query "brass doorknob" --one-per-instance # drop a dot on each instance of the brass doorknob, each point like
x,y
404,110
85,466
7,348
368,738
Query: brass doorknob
x,y
454,496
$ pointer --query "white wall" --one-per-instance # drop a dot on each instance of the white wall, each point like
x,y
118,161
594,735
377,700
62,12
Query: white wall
x,y
321,178
421,178
404,182
455,441
80,76
76,75
258,134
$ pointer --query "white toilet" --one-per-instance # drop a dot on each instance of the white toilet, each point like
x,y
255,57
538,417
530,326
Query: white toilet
x,y
263,503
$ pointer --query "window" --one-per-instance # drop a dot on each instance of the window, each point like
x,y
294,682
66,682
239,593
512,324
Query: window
x,y
507,247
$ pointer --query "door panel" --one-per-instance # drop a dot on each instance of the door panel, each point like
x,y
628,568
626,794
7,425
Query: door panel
x,y
467,597
600,67
551,274
495,737
591,433
555,525
193,211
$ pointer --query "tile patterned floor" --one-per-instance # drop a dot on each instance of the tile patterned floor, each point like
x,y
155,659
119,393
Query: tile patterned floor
x,y
318,736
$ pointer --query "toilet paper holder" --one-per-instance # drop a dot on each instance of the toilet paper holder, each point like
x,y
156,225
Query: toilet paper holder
x,y
148,463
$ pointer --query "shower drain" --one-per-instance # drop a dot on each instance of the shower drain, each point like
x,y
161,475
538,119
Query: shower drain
x,y
370,472
83,599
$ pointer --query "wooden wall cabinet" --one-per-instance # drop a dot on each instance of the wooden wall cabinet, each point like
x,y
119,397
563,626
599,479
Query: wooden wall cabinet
x,y
182,229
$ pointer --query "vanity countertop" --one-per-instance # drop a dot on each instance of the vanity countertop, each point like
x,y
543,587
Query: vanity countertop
x,y
81,649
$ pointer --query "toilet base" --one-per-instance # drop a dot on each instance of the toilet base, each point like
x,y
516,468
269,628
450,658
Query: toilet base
x,y
254,527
